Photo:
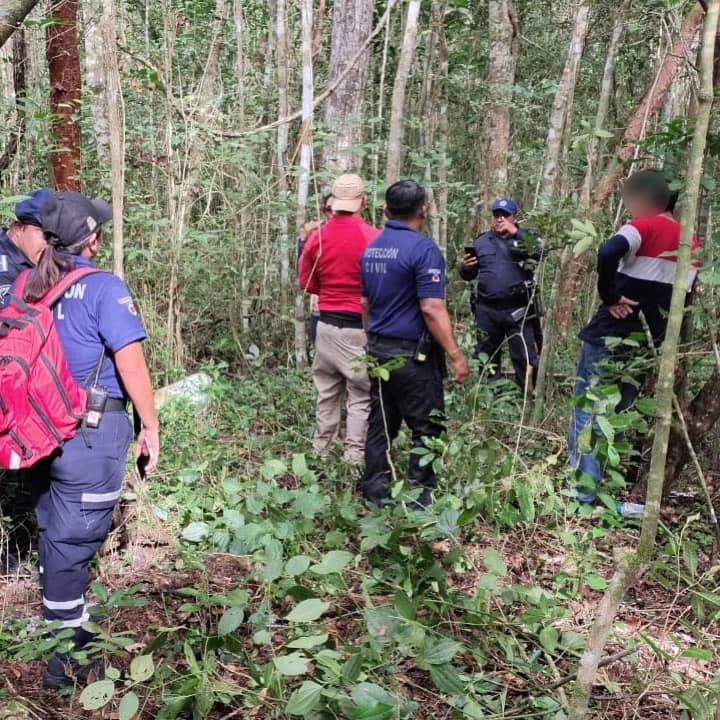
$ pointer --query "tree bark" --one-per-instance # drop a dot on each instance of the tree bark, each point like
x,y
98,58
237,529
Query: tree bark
x,y
306,144
504,35
95,76
562,104
344,110
606,90
634,563
64,67
651,102
12,13
20,91
393,166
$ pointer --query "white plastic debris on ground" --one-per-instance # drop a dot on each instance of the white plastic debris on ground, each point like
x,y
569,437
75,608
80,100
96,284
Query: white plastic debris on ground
x,y
192,388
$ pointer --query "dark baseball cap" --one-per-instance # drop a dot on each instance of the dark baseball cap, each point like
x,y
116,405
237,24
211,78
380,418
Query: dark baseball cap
x,y
507,205
27,211
70,217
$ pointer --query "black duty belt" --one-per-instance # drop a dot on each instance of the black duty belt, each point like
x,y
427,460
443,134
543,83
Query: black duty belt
x,y
391,345
503,303
116,405
342,321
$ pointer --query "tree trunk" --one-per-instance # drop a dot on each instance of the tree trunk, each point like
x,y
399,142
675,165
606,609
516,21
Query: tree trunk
x,y
306,144
64,67
504,34
95,76
443,133
344,110
606,90
19,81
12,13
239,22
634,563
393,166
562,104
114,113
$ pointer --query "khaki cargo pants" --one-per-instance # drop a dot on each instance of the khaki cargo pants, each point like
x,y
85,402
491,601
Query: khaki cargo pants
x,y
339,377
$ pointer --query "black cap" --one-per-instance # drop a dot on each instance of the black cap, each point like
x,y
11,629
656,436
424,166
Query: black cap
x,y
70,217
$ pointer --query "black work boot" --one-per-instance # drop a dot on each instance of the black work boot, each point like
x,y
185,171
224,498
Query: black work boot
x,y
63,671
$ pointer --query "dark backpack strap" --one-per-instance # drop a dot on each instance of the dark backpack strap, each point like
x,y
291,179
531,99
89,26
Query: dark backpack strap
x,y
54,294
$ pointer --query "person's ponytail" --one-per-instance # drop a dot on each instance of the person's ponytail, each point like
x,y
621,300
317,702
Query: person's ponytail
x,y
50,268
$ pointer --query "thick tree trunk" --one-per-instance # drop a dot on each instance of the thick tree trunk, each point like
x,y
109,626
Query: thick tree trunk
x,y
393,166
344,110
64,67
651,102
634,563
606,91
12,13
504,34
562,104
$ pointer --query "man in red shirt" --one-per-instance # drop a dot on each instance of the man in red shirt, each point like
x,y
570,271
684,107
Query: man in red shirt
x,y
330,268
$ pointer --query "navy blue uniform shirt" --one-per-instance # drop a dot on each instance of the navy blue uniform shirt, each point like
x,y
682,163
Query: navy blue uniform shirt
x,y
500,275
399,268
12,263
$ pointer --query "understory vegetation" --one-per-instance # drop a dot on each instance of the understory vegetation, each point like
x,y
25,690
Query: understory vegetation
x,y
248,580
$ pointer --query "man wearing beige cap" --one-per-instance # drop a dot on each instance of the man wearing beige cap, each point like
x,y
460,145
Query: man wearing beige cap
x,y
330,268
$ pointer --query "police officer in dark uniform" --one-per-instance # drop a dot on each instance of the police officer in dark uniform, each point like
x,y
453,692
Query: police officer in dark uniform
x,y
502,260
403,301
22,242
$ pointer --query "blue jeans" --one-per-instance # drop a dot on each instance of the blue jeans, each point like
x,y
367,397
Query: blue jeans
x,y
590,368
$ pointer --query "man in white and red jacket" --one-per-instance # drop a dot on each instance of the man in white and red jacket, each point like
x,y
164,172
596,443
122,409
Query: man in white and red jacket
x,y
636,270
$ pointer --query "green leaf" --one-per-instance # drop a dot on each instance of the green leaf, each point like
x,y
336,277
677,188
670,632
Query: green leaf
x,y
231,620
440,652
375,711
308,641
273,560
697,653
367,693
549,638
447,523
196,532
595,582
446,679
142,668
605,427
473,710
307,611
582,246
304,699
297,565
129,705
332,562
292,664
494,562
97,694
603,134
273,468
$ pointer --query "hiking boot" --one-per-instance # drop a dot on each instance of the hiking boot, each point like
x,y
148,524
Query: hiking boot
x,y
62,671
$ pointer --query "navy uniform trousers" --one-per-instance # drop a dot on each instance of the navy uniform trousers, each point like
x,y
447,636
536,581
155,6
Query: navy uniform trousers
x,y
77,492
413,393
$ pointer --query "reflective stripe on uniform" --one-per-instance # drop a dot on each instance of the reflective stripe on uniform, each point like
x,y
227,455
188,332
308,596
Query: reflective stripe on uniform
x,y
63,604
77,622
100,497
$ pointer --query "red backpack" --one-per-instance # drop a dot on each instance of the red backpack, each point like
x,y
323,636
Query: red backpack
x,y
41,405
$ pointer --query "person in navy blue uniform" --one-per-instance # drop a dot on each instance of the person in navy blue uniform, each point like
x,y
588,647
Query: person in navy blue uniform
x,y
502,263
22,242
79,486
403,301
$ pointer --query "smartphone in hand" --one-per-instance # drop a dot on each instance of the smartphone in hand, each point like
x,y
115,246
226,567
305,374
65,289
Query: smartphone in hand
x,y
141,465
470,250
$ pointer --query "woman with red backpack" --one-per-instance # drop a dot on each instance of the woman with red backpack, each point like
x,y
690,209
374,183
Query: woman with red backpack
x,y
80,484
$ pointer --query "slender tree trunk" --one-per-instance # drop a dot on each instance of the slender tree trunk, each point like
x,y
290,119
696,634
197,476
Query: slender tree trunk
x,y
344,109
282,143
393,166
95,76
64,67
651,102
634,563
12,13
239,22
562,104
19,82
606,91
504,34
114,112
443,133
306,145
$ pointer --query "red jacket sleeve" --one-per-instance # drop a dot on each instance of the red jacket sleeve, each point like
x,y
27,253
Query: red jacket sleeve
x,y
307,277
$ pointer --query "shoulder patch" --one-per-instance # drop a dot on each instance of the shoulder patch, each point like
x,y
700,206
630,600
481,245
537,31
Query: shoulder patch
x,y
128,302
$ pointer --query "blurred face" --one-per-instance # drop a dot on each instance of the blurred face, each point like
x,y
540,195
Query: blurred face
x,y
639,206
30,239
500,219
327,208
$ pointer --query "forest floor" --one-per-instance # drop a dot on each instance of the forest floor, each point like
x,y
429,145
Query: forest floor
x,y
246,580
